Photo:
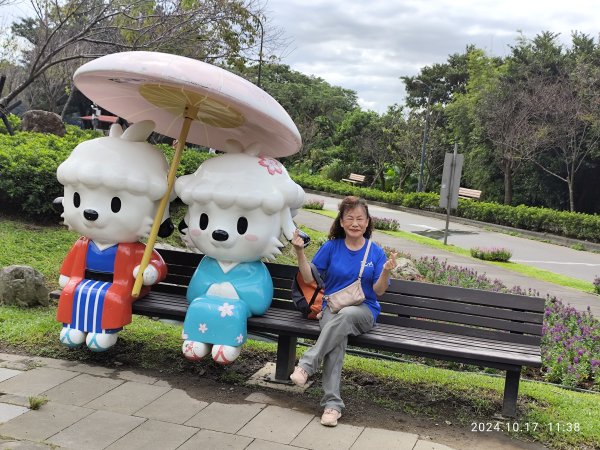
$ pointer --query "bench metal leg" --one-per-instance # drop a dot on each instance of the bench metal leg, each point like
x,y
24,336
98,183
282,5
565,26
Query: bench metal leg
x,y
286,358
511,391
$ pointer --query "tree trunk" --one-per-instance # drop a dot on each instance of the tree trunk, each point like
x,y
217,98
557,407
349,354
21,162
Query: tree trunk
x,y
571,194
382,178
68,102
508,183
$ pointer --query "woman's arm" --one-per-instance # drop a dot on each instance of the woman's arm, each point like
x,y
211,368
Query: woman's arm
x,y
384,279
303,264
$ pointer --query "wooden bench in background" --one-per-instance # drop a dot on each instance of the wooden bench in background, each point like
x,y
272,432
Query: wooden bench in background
x,y
355,178
481,328
469,193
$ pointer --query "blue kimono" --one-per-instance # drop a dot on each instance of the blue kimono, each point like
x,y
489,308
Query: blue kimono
x,y
220,303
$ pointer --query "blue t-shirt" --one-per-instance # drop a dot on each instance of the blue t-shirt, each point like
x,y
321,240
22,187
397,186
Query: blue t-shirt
x,y
340,266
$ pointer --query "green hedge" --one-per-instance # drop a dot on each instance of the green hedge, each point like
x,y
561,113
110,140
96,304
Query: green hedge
x,y
561,223
28,163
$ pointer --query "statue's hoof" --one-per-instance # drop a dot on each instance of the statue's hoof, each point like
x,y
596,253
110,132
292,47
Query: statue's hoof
x,y
225,354
100,342
71,338
195,351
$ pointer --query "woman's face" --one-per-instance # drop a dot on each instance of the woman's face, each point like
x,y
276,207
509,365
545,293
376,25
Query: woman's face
x,y
355,222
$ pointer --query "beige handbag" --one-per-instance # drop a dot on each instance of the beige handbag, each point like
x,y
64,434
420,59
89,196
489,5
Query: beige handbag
x,y
350,295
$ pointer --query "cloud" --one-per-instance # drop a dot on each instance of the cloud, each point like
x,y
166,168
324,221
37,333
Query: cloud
x,y
367,46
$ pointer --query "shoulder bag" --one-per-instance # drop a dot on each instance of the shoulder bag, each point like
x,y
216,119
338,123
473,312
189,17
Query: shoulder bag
x,y
350,295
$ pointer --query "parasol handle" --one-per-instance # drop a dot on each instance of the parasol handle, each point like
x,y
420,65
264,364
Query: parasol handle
x,y
190,114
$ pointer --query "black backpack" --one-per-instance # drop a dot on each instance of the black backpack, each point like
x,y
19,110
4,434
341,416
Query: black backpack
x,y
308,297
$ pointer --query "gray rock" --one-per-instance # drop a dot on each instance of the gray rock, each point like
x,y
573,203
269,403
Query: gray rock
x,y
22,286
43,122
406,270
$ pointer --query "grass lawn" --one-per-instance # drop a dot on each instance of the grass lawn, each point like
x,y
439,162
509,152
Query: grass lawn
x,y
532,272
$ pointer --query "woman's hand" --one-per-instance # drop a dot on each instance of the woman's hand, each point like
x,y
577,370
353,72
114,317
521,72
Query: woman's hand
x,y
391,262
297,241
303,265
382,283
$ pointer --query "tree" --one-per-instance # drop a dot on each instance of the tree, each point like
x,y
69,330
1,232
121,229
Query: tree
x,y
566,87
316,107
361,133
507,114
571,123
401,138
75,30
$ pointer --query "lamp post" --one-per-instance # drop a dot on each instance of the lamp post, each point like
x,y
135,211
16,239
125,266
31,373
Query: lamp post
x,y
425,134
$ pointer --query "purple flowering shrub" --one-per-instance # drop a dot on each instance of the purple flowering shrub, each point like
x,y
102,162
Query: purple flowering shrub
x,y
491,254
597,284
313,203
437,271
381,223
570,339
570,345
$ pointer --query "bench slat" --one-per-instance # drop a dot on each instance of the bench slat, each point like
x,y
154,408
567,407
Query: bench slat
x,y
460,330
465,319
388,302
466,295
456,339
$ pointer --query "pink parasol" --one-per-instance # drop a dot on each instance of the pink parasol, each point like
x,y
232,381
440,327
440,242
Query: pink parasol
x,y
191,101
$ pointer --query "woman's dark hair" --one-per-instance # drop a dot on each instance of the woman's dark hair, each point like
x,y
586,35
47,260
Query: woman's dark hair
x,y
336,231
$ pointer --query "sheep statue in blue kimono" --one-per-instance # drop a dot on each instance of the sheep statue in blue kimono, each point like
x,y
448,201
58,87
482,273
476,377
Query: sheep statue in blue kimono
x,y
239,203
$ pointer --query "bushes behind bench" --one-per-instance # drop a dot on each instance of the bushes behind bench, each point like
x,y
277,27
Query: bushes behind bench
x,y
28,163
28,184
545,220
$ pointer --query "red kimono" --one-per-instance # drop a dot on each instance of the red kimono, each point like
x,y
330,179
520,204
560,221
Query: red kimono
x,y
116,310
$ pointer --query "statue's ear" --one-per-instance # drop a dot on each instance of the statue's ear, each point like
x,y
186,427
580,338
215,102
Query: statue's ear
x,y
182,227
166,228
139,132
57,203
115,131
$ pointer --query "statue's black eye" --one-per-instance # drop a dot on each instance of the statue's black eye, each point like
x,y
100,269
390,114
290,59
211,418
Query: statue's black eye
x,y
203,221
76,200
115,204
242,225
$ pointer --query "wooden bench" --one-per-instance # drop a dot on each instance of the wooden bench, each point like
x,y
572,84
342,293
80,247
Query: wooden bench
x,y
469,193
355,178
481,328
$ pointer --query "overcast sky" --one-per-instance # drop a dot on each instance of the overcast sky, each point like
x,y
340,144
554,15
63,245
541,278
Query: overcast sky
x,y
366,45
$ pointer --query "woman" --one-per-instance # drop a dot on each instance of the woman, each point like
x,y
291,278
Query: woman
x,y
339,260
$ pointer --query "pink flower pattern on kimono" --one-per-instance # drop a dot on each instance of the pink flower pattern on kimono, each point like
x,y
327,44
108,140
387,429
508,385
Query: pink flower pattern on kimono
x,y
272,165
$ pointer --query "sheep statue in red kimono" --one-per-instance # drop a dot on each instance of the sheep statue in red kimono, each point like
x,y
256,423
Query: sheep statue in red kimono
x,y
112,188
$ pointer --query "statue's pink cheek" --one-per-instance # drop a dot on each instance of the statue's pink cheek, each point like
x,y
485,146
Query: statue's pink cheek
x,y
251,237
196,232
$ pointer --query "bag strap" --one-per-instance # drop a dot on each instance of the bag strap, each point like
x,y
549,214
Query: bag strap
x,y
314,297
364,261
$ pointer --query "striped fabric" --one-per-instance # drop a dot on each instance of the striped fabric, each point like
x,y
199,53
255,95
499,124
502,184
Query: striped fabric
x,y
88,305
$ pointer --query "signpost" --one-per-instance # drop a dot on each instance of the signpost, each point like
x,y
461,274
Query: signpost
x,y
453,163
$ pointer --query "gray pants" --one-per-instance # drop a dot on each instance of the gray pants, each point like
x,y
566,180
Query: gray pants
x,y
330,348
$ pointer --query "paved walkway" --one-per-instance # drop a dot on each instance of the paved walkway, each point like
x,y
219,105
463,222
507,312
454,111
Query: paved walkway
x,y
95,407
579,300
